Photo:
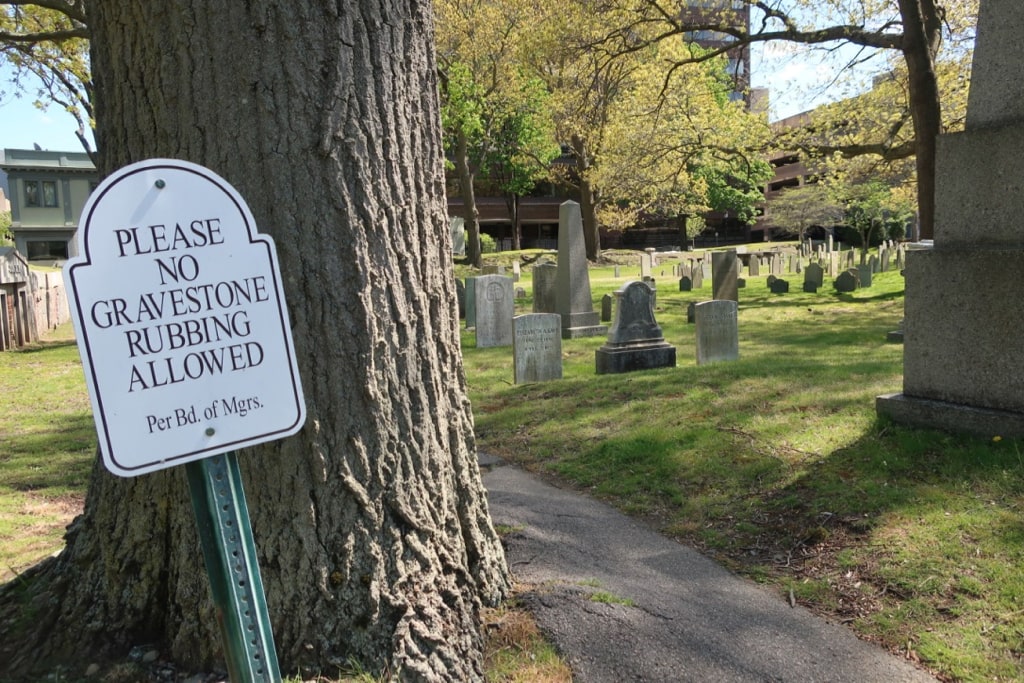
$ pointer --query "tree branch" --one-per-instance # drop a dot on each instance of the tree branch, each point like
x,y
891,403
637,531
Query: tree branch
x,y
72,10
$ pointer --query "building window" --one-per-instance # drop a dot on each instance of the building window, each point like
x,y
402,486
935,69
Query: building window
x,y
41,193
44,250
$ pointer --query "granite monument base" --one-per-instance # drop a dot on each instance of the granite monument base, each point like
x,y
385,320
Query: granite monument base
x,y
950,417
963,356
576,325
618,358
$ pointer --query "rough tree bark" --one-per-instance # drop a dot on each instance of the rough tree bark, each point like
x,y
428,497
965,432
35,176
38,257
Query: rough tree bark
x,y
374,537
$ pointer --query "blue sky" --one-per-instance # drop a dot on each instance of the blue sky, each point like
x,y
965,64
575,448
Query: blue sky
x,y
797,80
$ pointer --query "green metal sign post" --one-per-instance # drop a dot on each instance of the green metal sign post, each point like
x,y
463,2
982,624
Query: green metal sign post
x,y
181,323
230,553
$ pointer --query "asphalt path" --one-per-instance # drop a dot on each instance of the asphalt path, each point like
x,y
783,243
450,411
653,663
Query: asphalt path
x,y
666,612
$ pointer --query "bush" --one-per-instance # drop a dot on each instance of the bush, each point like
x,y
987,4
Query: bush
x,y
487,244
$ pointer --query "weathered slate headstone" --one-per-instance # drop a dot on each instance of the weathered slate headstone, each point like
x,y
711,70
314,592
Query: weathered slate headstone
x,y
755,266
537,347
572,290
691,311
470,302
723,275
685,284
494,310
606,308
698,277
717,331
545,276
635,340
779,286
864,274
814,274
460,296
847,281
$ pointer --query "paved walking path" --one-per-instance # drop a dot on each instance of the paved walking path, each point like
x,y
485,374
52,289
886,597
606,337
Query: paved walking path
x,y
673,615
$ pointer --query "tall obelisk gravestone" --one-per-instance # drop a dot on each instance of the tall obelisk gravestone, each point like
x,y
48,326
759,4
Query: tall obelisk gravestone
x,y
963,354
572,284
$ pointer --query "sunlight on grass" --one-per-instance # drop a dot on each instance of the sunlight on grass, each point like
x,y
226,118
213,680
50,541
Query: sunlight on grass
x,y
777,465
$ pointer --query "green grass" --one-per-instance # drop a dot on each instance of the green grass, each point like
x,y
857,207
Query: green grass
x,y
778,466
775,465
47,446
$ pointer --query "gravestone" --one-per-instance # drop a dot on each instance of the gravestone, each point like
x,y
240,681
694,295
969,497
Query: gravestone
x,y
645,265
846,281
723,275
690,311
517,271
635,340
685,270
606,308
967,374
717,331
776,264
779,286
810,287
873,264
460,296
814,274
864,274
572,289
537,347
520,291
698,277
470,302
494,310
458,228
685,284
493,270
618,272
544,277
755,266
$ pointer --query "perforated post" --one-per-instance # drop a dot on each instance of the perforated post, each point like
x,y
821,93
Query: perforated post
x,y
230,553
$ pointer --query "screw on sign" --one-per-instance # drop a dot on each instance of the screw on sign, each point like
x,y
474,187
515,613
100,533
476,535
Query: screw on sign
x,y
188,355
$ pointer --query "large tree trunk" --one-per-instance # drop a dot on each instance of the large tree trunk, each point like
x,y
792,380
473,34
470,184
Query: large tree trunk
x,y
922,33
373,533
588,200
470,214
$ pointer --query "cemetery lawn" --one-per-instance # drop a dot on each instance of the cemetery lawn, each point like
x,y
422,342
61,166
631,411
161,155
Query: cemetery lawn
x,y
47,445
47,450
777,466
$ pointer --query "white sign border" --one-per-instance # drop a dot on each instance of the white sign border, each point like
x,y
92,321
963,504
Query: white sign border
x,y
84,260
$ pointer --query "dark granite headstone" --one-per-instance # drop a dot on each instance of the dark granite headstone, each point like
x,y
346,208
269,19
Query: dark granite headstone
x,y
635,340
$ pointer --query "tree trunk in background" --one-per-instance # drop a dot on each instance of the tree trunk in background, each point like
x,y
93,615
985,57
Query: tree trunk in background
x,y
371,524
470,214
922,34
588,200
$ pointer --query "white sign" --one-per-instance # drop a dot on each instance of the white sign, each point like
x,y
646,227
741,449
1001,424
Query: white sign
x,y
180,319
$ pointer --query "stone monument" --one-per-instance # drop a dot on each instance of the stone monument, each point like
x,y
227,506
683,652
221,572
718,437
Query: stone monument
x,y
724,275
635,340
966,372
544,277
717,331
572,287
537,347
494,310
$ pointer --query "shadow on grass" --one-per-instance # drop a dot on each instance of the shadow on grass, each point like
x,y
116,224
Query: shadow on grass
x,y
45,345
55,458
